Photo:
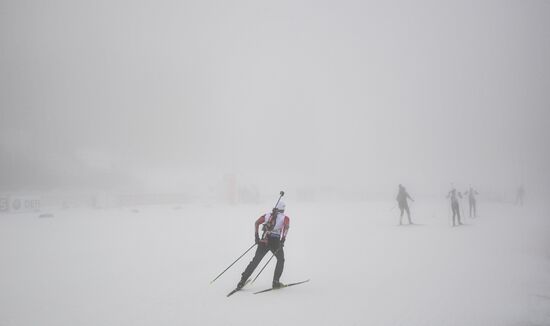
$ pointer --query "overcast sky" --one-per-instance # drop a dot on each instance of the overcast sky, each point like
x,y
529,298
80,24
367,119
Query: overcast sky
x,y
168,94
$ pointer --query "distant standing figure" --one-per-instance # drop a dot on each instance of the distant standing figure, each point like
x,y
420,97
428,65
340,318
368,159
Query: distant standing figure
x,y
401,198
519,195
454,195
472,193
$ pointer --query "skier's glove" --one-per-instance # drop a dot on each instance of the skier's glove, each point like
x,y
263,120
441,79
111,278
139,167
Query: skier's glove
x,y
257,238
282,243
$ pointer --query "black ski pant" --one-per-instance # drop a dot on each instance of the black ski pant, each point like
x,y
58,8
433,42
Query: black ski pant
x,y
404,207
456,213
473,207
262,249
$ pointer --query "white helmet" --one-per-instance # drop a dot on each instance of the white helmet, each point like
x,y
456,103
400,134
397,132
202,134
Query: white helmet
x,y
281,206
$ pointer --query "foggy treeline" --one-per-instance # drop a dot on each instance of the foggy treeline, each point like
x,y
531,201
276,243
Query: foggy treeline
x,y
344,97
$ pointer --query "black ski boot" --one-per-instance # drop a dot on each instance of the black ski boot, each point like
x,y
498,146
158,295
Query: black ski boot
x,y
277,285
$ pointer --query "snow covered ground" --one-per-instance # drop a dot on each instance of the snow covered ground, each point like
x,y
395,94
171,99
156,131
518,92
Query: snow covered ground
x,y
153,266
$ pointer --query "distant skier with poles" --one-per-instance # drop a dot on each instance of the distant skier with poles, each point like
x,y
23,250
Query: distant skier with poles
x,y
472,193
402,196
454,195
275,227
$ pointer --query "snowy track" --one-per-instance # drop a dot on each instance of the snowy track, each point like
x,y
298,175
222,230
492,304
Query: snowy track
x,y
117,267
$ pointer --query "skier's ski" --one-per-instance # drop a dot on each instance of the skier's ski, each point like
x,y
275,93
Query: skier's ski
x,y
233,292
237,289
282,287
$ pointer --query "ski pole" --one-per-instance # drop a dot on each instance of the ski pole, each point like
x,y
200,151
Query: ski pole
x,y
265,266
241,256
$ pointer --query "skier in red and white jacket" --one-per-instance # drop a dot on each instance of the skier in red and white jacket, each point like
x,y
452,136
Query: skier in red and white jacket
x,y
275,227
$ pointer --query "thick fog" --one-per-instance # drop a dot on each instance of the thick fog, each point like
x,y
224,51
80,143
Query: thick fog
x,y
140,141
178,96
